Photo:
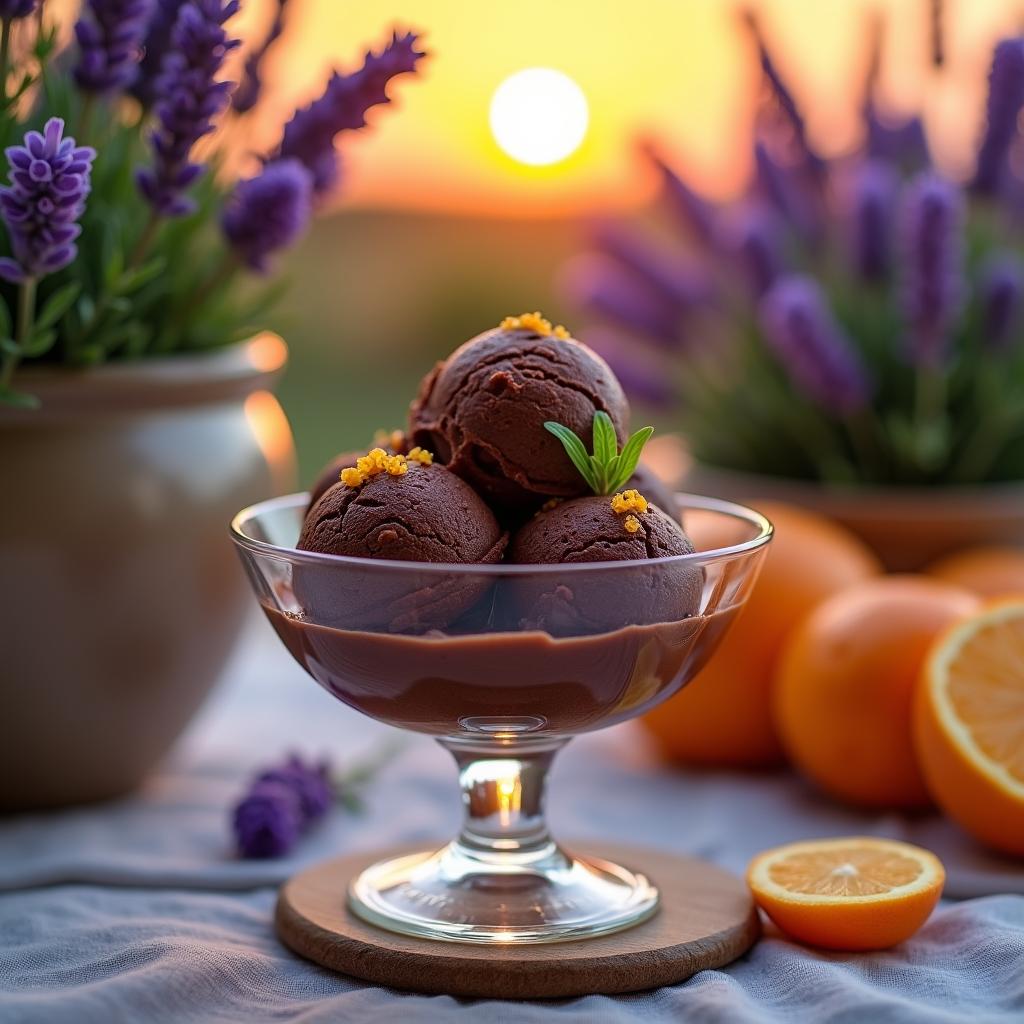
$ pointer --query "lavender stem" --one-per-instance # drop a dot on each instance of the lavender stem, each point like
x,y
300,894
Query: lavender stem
x,y
145,239
85,116
25,319
862,431
229,266
5,52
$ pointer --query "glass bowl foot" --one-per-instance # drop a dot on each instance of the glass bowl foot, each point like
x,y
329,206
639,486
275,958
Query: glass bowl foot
x,y
463,895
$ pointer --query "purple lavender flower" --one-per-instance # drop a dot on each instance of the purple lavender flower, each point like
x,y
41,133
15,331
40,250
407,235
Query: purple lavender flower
x,y
309,135
281,804
696,215
154,48
1005,98
11,9
268,820
872,208
776,184
898,142
785,101
268,212
600,286
49,182
1001,296
245,97
311,783
681,285
110,35
932,259
800,329
190,97
753,235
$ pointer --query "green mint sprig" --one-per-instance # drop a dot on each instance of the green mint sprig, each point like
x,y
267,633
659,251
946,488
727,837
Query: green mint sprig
x,y
608,469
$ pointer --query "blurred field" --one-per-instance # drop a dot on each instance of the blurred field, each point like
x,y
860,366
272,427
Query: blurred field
x,y
376,298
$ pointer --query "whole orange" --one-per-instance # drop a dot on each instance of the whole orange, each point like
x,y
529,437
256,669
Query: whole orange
x,y
985,571
844,691
724,716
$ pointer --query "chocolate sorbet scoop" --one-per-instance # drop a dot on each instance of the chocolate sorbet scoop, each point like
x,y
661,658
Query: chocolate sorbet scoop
x,y
393,441
590,530
617,524
426,514
482,411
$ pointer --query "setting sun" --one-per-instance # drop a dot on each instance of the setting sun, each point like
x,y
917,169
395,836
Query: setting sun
x,y
539,116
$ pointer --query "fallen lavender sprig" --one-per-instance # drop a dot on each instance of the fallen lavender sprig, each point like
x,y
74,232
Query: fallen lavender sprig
x,y
286,799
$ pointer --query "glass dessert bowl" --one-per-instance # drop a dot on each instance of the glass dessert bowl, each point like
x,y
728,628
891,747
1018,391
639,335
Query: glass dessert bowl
x,y
502,663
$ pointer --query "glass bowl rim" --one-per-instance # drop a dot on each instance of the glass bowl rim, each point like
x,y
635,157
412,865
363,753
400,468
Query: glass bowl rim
x,y
694,501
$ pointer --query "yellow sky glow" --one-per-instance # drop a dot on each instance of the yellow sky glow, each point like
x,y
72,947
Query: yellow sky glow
x,y
676,69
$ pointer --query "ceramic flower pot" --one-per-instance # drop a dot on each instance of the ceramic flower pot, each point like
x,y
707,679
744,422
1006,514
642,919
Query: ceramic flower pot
x,y
120,596
908,527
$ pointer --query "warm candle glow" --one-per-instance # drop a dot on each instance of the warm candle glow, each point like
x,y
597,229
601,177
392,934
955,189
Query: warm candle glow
x,y
510,795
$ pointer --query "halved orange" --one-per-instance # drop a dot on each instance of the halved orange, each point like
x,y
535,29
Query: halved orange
x,y
855,893
969,724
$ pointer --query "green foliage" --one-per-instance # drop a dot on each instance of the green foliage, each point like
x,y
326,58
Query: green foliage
x,y
608,469
960,425
140,286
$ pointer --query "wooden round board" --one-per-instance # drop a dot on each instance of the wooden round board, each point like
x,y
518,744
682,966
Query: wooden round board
x,y
706,919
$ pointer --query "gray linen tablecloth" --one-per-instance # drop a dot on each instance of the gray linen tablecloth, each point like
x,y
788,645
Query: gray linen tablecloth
x,y
138,911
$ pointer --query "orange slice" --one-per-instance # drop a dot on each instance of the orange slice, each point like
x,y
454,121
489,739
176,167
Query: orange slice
x,y
851,894
969,724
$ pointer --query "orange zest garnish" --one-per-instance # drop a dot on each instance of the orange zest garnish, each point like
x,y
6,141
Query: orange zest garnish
x,y
534,322
377,461
629,501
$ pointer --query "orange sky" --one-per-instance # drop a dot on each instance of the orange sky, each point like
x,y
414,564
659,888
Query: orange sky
x,y
675,68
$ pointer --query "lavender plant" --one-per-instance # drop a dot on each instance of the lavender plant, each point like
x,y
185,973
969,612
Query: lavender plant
x,y
852,320
124,237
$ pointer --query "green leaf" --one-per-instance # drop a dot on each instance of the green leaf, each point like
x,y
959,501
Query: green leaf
x,y
58,304
133,280
113,268
629,457
5,320
40,343
10,347
606,444
575,450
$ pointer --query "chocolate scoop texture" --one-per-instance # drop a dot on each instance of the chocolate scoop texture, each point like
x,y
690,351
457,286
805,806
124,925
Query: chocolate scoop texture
x,y
393,441
482,412
402,508
604,527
